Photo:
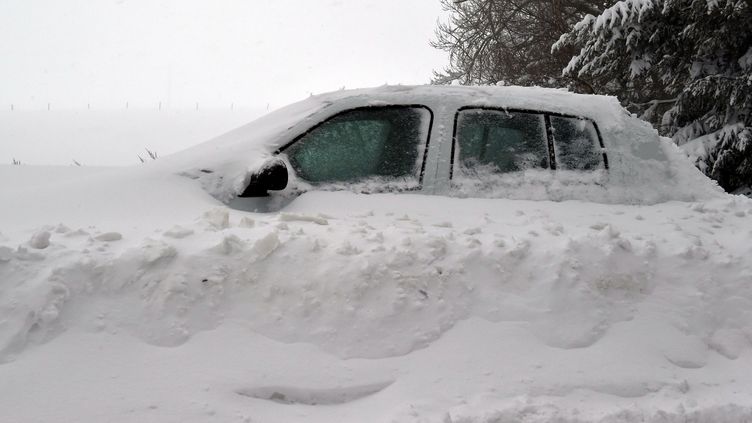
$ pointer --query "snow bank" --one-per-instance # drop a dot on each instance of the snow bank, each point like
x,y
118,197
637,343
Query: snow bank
x,y
386,307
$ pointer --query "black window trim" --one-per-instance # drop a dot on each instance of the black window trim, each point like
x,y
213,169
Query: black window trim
x,y
360,108
549,132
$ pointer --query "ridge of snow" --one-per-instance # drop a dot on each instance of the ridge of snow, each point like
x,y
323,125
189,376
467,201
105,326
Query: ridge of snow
x,y
512,306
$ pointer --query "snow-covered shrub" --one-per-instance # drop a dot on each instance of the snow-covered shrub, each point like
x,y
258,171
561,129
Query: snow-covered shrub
x,y
684,65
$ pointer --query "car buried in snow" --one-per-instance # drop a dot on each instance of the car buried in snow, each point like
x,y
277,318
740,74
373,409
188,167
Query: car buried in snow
x,y
497,142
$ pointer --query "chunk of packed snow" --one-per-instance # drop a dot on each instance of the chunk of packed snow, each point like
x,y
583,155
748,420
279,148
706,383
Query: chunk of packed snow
x,y
40,240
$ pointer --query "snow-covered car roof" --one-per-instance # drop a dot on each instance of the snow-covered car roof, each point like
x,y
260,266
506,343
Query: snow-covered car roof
x,y
643,167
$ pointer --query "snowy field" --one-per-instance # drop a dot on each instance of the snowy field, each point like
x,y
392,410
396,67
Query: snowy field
x,y
109,137
127,295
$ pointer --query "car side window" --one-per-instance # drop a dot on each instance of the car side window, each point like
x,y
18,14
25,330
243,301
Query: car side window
x,y
490,142
500,141
383,142
576,144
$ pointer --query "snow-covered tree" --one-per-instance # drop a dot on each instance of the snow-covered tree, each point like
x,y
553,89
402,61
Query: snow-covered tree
x,y
684,65
509,41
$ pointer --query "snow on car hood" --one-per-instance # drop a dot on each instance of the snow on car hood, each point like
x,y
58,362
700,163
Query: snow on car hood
x,y
643,168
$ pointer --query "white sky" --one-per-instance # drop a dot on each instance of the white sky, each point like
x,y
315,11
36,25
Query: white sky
x,y
248,52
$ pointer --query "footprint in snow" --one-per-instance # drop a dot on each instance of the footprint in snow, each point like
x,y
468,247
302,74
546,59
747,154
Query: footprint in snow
x,y
328,396
109,237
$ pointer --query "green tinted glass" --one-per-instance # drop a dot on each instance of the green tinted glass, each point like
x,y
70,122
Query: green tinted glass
x,y
358,144
576,143
508,142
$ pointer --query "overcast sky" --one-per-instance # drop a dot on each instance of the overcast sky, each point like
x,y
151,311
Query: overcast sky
x,y
71,53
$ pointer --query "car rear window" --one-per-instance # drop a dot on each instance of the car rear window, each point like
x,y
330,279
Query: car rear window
x,y
576,144
501,141
494,141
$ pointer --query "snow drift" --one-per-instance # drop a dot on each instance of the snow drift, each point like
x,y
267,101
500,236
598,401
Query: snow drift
x,y
384,308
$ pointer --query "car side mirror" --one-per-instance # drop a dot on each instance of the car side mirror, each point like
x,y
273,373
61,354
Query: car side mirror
x,y
272,176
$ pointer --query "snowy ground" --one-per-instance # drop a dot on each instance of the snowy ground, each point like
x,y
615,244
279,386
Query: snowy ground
x,y
124,298
109,137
